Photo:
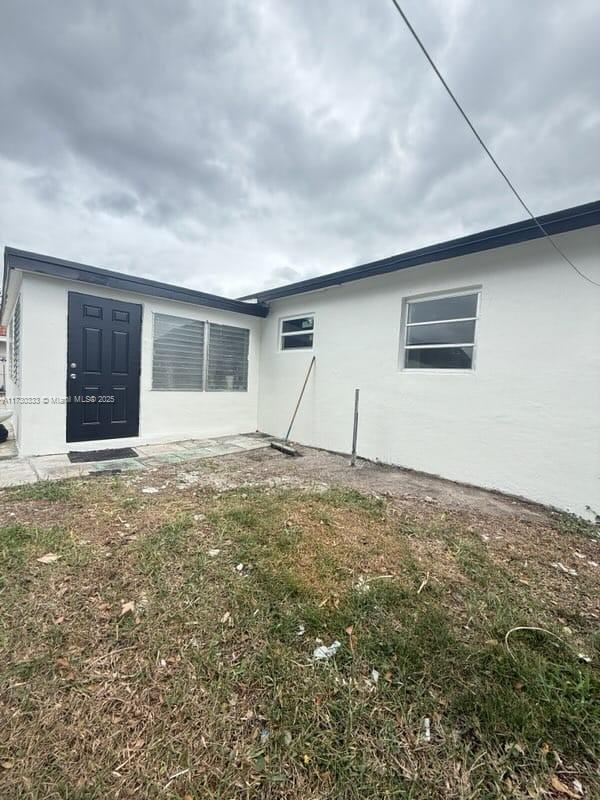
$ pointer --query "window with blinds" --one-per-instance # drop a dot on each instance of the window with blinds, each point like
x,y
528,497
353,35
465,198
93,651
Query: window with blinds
x,y
227,369
14,345
193,356
178,354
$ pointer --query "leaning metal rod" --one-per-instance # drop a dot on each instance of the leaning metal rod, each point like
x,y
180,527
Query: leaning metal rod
x,y
287,436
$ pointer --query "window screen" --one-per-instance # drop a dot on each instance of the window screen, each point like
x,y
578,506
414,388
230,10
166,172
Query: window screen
x,y
15,344
440,333
297,333
227,369
178,354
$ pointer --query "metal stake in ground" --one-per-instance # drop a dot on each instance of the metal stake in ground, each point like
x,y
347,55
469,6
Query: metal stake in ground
x,y
355,429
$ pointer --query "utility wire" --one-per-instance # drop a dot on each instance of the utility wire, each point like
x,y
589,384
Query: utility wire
x,y
487,150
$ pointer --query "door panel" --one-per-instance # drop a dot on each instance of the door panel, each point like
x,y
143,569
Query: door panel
x,y
92,351
120,353
119,407
103,362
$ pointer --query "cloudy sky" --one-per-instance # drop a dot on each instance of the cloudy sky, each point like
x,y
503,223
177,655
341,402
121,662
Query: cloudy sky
x,y
235,145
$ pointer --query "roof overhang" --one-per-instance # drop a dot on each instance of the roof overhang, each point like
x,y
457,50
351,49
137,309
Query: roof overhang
x,y
83,273
569,219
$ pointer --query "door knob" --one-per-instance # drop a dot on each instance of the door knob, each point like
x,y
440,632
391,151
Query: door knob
x,y
72,376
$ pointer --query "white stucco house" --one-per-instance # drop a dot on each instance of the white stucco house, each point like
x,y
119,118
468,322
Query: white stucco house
x,y
2,359
477,359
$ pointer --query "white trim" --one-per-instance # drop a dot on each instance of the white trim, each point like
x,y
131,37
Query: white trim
x,y
405,325
441,321
437,346
281,334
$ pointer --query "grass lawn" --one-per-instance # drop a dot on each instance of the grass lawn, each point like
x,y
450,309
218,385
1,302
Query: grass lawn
x,y
167,653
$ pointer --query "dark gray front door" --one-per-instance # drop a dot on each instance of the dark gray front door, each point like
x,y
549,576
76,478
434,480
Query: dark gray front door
x,y
103,368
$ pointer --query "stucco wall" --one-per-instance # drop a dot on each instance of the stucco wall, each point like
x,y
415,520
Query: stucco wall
x,y
525,421
163,415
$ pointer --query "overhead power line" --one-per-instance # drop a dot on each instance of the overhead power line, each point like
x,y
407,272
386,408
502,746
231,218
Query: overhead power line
x,y
507,180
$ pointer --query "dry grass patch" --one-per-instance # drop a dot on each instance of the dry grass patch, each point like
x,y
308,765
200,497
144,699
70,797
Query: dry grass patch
x,y
167,652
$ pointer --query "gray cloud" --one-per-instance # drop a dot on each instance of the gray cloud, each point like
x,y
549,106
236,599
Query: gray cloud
x,y
229,145
119,203
45,187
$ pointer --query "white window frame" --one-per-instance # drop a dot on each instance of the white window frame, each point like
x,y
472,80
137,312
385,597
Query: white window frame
x,y
476,290
297,333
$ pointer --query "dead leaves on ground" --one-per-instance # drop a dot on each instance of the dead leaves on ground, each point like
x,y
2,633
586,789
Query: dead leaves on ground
x,y
127,608
49,558
560,786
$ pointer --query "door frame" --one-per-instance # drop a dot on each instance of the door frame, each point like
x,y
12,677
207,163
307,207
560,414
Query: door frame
x,y
79,440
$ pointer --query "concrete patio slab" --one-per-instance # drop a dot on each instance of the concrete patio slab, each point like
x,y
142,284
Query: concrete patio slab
x,y
170,458
250,442
17,471
120,464
58,472
192,444
158,449
51,462
199,452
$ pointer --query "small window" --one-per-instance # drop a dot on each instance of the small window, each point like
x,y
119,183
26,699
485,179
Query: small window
x,y
14,345
227,369
297,333
440,333
178,354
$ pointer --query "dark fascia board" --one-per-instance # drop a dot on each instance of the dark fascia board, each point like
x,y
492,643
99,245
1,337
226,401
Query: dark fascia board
x,y
83,273
569,219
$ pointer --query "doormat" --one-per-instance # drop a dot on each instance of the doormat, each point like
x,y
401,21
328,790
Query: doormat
x,y
102,455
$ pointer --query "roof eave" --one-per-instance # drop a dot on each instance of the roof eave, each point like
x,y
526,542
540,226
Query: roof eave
x,y
84,273
569,219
